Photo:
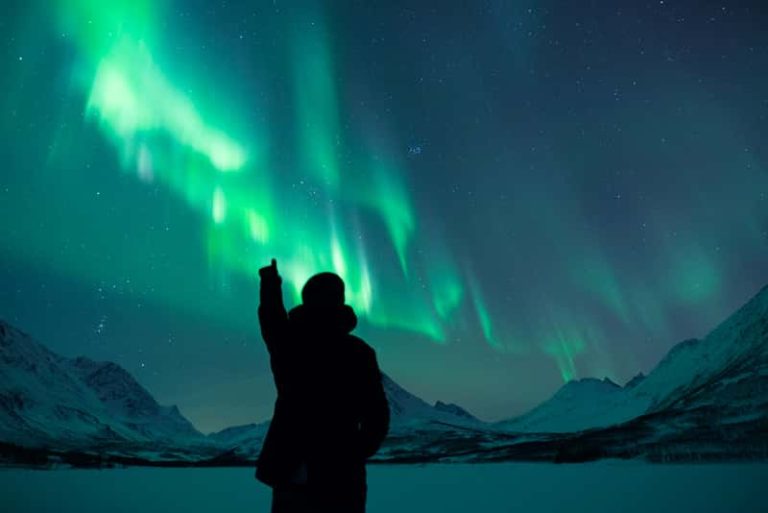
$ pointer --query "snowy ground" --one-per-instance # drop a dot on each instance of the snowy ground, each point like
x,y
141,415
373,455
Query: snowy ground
x,y
603,487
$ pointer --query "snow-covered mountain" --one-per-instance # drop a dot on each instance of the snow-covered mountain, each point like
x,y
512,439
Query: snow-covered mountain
x,y
726,372
728,368
130,403
243,442
47,400
406,408
707,398
572,408
50,401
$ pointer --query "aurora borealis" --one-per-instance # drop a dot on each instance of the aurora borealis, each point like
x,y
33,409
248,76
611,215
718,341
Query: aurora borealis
x,y
516,193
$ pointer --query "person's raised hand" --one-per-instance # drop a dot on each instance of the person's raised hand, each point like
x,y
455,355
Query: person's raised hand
x,y
269,272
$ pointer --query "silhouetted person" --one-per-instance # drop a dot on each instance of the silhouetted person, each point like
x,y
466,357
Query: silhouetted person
x,y
331,413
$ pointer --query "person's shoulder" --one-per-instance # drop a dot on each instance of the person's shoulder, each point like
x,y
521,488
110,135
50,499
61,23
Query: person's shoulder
x,y
361,346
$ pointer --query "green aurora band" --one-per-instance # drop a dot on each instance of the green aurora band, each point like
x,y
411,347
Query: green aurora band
x,y
163,137
330,192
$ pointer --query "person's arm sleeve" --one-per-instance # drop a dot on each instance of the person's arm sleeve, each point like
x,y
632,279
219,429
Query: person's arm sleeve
x,y
375,422
273,318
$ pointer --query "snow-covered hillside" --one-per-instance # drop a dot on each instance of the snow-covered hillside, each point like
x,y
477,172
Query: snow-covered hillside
x,y
706,399
406,408
726,371
573,408
729,367
47,400
242,441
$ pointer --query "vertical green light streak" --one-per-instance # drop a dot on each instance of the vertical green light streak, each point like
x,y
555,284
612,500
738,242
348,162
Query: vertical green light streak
x,y
219,210
316,104
447,293
563,347
353,269
483,315
387,195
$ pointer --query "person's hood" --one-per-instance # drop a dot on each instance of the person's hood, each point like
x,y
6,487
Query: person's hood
x,y
335,319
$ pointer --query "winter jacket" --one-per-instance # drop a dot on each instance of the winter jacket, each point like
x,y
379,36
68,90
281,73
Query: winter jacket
x,y
331,412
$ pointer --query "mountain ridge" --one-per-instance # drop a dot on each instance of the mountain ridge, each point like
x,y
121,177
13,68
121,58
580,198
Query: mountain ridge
x,y
705,399
48,399
51,401
737,344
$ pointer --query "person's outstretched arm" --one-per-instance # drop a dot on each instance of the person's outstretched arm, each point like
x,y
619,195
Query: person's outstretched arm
x,y
273,318
375,422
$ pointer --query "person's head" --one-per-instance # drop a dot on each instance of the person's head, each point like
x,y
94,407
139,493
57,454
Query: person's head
x,y
323,290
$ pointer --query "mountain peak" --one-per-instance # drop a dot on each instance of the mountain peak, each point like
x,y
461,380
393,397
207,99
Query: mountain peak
x,y
571,408
407,407
591,382
636,380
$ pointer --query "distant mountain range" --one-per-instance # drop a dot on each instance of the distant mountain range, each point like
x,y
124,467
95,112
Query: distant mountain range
x,y
707,399
725,374
48,401
76,405
574,407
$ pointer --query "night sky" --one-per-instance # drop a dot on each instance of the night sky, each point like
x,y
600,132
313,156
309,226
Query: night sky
x,y
517,193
